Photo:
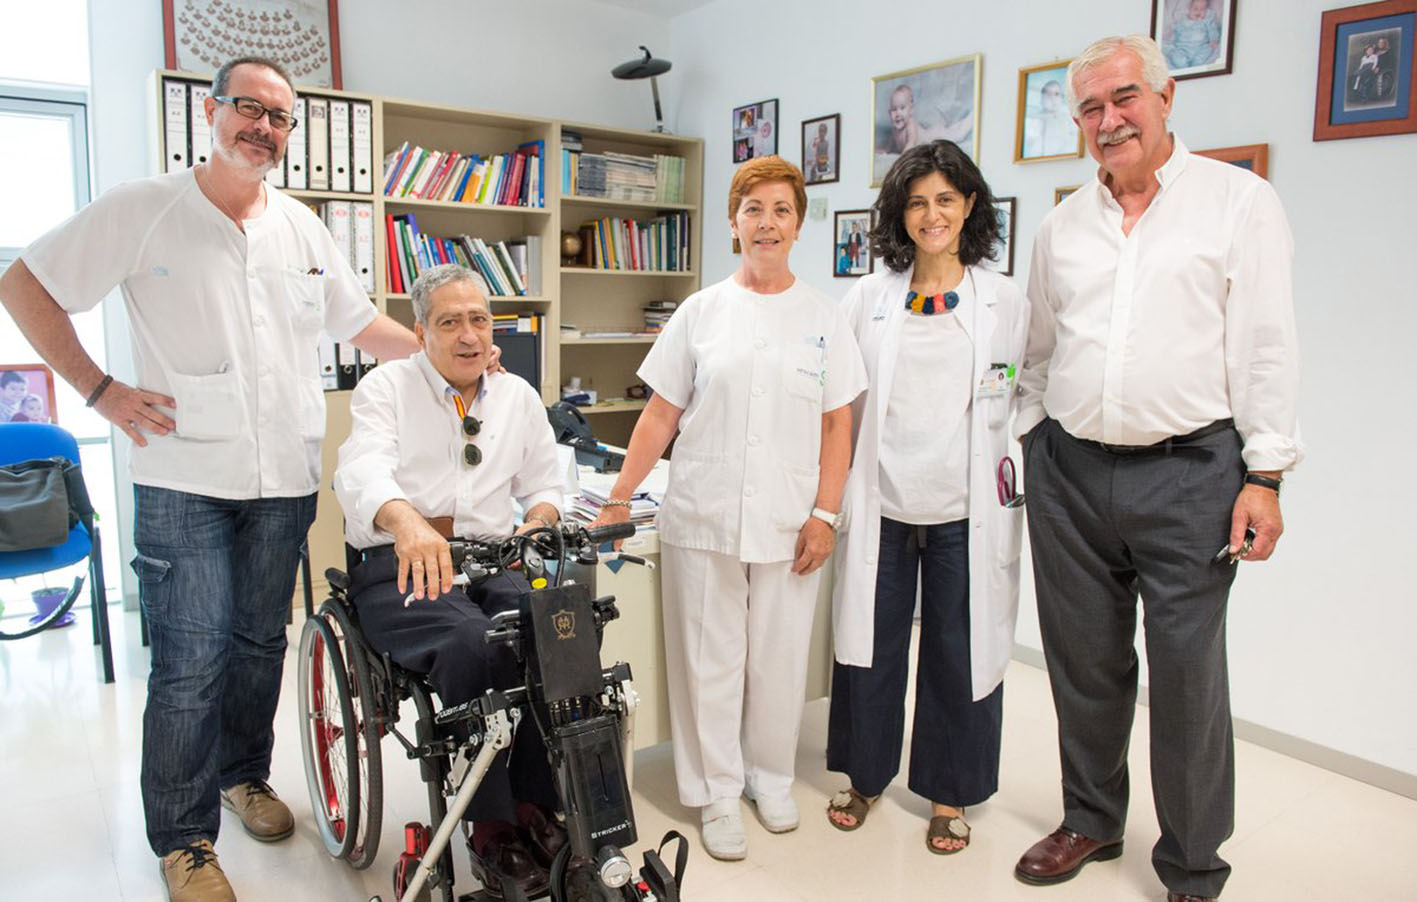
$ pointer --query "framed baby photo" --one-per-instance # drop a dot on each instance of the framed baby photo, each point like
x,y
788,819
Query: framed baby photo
x,y
851,245
301,35
1254,157
1046,130
1197,37
26,393
1061,194
919,105
1003,263
1366,71
754,131
821,149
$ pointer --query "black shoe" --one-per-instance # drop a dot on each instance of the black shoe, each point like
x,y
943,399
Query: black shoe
x,y
504,858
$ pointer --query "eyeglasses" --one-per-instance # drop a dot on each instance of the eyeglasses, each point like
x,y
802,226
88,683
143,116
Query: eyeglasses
x,y
471,454
251,108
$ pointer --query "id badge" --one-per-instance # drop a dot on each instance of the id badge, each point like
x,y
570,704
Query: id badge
x,y
997,381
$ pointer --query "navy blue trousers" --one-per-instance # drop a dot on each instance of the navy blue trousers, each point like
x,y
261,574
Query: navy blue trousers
x,y
954,744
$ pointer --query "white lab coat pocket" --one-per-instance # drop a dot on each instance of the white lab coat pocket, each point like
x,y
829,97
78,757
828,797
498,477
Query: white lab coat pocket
x,y
208,407
804,373
796,496
307,300
1007,535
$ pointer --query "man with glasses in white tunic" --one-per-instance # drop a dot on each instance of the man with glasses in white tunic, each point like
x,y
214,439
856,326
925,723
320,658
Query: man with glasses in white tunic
x,y
227,283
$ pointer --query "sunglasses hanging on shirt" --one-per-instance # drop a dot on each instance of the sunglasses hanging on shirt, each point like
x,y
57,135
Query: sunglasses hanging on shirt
x,y
471,426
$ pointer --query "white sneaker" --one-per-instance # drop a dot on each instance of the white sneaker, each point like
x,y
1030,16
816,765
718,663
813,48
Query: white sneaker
x,y
724,837
778,815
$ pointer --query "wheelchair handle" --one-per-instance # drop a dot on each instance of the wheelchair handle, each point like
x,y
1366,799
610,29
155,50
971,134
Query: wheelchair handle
x,y
609,532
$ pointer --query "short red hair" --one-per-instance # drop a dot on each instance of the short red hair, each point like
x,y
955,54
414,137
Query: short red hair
x,y
766,169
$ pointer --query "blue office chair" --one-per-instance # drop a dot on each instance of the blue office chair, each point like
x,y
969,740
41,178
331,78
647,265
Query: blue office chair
x,y
38,441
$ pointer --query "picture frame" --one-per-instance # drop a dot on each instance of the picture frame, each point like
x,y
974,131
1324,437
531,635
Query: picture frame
x,y
1367,71
851,244
1254,157
910,107
1061,194
1006,208
1195,46
754,131
27,393
821,149
1045,127
301,35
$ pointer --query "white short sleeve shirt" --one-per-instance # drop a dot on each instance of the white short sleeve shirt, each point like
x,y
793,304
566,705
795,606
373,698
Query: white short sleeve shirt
x,y
226,322
753,374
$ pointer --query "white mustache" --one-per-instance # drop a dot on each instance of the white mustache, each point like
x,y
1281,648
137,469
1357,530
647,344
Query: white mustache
x,y
1117,136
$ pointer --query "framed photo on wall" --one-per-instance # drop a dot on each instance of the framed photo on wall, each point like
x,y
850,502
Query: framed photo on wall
x,y
1046,130
851,244
1005,208
1061,194
1366,71
754,131
821,149
1196,36
26,393
1254,157
923,104
301,35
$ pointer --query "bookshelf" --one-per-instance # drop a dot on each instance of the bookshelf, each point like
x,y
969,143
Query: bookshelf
x,y
607,300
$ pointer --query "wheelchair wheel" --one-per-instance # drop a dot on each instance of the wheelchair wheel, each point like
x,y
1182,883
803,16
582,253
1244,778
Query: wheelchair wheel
x,y
328,737
369,773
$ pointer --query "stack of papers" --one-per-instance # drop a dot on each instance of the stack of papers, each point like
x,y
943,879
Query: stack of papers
x,y
585,507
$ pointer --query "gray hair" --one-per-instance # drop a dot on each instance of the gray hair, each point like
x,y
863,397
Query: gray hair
x,y
222,80
435,277
1153,64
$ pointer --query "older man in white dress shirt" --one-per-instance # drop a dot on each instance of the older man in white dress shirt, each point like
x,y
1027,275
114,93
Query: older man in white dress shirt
x,y
1158,416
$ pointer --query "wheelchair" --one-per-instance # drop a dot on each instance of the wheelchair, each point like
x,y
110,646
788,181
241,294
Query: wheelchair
x,y
349,698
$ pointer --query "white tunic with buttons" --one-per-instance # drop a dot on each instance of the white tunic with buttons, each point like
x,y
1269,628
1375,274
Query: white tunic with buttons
x,y
225,322
753,374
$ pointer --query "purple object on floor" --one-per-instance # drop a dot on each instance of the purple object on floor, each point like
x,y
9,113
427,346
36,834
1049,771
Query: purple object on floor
x,y
45,601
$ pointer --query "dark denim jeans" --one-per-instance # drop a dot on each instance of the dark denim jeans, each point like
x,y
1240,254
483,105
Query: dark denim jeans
x,y
216,579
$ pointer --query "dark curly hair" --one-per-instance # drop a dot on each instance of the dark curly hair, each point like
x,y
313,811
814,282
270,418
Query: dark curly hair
x,y
978,239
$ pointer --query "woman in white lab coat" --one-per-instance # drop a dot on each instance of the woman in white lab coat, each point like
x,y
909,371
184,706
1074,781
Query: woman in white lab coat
x,y
757,374
931,500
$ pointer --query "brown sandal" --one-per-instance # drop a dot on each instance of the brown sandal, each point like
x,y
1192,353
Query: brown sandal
x,y
849,802
944,826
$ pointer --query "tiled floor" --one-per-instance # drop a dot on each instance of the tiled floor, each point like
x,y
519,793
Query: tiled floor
x,y
71,824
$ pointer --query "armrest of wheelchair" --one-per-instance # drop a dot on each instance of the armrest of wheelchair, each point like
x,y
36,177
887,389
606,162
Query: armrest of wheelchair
x,y
337,579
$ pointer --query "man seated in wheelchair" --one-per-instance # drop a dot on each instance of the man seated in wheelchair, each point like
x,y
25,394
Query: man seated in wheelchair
x,y
440,439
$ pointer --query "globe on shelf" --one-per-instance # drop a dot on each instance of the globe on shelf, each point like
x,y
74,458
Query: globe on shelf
x,y
571,245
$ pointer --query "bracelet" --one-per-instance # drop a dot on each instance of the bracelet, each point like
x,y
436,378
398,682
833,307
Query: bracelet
x,y
103,384
1265,481
613,503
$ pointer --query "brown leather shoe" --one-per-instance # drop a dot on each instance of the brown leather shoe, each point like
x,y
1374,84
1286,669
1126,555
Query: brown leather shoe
x,y
262,812
193,875
1185,897
1060,855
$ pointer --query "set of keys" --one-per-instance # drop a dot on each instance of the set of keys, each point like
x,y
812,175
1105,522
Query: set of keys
x,y
1224,552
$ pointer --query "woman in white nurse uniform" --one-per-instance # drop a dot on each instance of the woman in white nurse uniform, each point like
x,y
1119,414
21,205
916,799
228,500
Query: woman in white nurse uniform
x,y
757,374
931,501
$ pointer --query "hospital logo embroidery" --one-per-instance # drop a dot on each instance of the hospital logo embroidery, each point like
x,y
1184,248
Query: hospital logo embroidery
x,y
160,270
564,622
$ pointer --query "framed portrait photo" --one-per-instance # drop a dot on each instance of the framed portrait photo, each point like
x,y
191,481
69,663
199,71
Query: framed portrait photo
x,y
1197,37
851,244
1061,194
1005,208
821,149
923,104
301,35
1046,130
26,393
1254,157
1366,71
754,131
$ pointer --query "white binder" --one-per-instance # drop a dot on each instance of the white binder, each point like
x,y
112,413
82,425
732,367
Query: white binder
x,y
318,146
201,128
296,161
337,220
329,369
364,244
362,145
339,145
174,112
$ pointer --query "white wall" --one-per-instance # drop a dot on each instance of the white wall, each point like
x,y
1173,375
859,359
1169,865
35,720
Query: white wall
x,y
1321,638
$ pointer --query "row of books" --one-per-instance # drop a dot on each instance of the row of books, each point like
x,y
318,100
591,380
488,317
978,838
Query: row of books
x,y
657,245
515,179
342,365
330,149
510,268
621,176
351,225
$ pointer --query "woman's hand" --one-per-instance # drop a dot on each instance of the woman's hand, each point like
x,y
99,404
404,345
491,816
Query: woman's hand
x,y
614,513
815,542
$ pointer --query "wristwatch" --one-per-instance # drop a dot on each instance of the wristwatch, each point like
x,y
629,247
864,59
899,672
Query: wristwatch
x,y
829,518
